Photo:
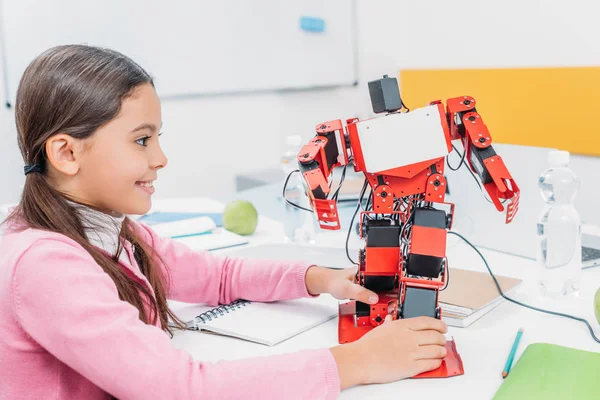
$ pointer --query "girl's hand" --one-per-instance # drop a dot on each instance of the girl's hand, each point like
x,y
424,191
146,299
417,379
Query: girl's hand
x,y
341,284
392,351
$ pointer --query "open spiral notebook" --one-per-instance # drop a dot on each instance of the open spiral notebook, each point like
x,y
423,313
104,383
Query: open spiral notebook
x,y
265,323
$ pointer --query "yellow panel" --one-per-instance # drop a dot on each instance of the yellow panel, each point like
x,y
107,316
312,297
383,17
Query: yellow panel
x,y
548,107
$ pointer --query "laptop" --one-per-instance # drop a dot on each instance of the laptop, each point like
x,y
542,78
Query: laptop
x,y
478,220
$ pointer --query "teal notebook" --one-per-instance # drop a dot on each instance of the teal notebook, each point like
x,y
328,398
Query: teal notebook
x,y
547,371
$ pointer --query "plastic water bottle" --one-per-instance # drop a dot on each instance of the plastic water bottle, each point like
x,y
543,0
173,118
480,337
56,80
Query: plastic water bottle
x,y
559,229
289,160
299,225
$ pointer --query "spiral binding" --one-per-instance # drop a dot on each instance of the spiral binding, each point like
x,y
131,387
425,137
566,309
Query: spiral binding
x,y
218,311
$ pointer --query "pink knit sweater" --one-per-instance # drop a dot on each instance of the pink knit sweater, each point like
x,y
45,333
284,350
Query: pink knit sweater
x,y
64,333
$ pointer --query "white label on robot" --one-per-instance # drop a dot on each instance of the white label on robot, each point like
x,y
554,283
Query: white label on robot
x,y
397,140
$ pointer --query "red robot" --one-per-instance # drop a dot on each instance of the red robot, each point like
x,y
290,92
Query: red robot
x,y
405,220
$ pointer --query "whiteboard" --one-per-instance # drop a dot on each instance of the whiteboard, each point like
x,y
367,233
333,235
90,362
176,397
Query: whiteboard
x,y
194,47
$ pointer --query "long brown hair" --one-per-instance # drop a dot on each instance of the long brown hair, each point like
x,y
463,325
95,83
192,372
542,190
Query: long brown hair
x,y
76,89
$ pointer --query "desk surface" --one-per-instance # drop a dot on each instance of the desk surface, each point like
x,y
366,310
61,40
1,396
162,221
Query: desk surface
x,y
483,346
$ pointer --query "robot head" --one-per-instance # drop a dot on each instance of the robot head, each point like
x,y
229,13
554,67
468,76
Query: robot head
x,y
385,95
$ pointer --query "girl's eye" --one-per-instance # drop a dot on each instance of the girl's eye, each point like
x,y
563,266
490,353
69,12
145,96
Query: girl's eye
x,y
142,141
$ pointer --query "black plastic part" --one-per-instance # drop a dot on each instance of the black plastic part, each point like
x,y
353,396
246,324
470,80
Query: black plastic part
x,y
362,309
378,222
383,236
385,95
419,302
448,220
347,140
430,218
423,265
460,126
331,149
380,284
477,161
319,193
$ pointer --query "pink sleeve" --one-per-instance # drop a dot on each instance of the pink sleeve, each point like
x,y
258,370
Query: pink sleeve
x,y
201,277
68,305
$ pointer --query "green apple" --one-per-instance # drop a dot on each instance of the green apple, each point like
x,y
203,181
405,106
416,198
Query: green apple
x,y
240,217
597,304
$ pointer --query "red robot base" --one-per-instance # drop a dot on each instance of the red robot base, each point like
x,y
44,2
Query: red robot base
x,y
452,364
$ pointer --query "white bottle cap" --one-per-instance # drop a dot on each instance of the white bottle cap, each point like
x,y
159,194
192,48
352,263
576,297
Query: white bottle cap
x,y
558,158
293,140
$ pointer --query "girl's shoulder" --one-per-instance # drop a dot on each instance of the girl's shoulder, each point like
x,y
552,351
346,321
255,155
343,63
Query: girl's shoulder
x,y
40,258
17,234
15,242
19,238
38,246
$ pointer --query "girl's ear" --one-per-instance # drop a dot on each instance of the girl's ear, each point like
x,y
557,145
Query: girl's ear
x,y
62,152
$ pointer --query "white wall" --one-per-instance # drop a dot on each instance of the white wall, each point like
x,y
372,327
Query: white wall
x,y
468,33
209,140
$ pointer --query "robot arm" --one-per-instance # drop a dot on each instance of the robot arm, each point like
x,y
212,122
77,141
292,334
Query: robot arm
x,y
327,150
467,125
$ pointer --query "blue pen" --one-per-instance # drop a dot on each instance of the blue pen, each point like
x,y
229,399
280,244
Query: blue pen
x,y
511,356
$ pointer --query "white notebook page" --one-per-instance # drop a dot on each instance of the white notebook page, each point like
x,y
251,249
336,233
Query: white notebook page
x,y
265,323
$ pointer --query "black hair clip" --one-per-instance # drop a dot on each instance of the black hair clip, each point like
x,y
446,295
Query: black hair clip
x,y
32,168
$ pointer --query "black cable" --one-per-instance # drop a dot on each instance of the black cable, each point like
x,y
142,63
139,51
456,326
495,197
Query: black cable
x,y
285,198
342,178
462,159
348,237
369,199
470,172
368,204
476,180
362,193
462,156
518,302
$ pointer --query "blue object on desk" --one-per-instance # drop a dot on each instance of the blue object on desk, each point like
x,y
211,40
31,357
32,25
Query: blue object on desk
x,y
167,216
511,356
312,24
191,234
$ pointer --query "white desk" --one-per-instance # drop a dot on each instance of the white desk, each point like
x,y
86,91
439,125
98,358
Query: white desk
x,y
483,346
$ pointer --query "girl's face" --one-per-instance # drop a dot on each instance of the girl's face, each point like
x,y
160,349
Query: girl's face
x,y
119,163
